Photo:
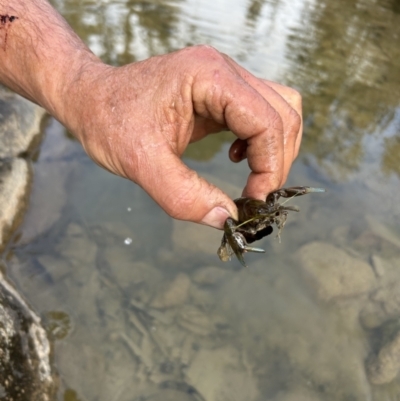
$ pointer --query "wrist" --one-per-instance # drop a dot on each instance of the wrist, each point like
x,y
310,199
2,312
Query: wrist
x,y
78,98
41,57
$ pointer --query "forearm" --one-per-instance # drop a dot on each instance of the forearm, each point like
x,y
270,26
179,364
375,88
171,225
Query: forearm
x,y
40,55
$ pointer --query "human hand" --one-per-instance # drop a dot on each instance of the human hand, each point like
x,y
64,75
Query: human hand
x,y
137,120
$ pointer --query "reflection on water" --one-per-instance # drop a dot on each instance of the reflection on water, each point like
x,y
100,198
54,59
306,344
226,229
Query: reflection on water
x,y
346,66
159,317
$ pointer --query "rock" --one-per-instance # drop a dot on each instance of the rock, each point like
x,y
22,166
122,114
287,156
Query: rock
x,y
217,375
58,324
173,395
194,320
58,269
125,271
290,340
201,297
378,265
383,231
72,263
386,365
175,294
14,186
333,273
300,394
210,275
340,235
383,305
25,353
20,123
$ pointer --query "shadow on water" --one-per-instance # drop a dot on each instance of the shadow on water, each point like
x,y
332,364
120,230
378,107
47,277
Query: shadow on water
x,y
140,306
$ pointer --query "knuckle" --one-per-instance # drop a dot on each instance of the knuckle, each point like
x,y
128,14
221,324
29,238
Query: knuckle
x,y
276,122
207,51
295,123
209,57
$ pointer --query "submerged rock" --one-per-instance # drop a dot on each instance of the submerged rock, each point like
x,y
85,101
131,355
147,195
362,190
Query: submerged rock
x,y
333,273
20,122
385,366
218,375
383,305
297,394
210,275
14,184
25,363
174,294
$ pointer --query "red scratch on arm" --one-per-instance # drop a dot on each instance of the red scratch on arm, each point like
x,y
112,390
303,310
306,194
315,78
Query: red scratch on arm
x,y
5,25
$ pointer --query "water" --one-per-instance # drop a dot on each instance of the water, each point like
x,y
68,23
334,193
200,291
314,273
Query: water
x,y
145,309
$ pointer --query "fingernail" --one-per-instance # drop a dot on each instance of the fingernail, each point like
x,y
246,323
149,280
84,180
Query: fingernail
x,y
216,217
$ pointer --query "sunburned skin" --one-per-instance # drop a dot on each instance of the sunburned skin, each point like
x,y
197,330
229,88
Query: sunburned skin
x,y
5,25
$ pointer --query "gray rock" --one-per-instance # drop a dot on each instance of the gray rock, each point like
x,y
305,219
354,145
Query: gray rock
x,y
25,364
386,365
14,184
333,273
383,305
20,122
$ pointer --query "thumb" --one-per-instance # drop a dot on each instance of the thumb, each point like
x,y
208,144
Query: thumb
x,y
183,194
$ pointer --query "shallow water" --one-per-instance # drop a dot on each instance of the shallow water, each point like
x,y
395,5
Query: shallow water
x,y
139,305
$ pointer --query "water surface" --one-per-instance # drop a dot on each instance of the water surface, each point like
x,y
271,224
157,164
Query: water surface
x,y
139,305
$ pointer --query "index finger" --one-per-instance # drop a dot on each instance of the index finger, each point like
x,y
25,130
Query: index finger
x,y
252,118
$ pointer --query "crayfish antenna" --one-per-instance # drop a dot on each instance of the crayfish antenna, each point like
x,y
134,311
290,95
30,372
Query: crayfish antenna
x,y
251,249
311,189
